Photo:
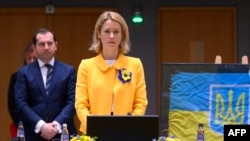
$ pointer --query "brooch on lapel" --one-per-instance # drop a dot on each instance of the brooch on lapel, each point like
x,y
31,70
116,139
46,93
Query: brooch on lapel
x,y
124,75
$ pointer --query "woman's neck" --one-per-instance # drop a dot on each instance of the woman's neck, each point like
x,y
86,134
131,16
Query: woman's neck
x,y
110,55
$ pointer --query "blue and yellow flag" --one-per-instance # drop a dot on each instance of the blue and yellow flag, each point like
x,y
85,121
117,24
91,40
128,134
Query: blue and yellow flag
x,y
214,99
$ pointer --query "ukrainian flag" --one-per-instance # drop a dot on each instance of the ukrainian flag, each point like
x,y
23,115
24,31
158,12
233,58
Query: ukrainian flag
x,y
214,99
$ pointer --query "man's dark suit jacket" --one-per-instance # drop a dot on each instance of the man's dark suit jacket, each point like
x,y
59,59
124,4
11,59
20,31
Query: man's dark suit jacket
x,y
35,105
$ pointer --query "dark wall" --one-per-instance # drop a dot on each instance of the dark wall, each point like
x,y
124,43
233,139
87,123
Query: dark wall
x,y
144,37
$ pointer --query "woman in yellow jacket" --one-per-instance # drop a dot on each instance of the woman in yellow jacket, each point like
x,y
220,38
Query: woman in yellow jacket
x,y
110,83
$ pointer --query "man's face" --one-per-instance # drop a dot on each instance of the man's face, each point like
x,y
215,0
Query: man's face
x,y
45,47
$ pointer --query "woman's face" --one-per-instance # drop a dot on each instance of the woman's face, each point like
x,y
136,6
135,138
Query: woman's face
x,y
30,57
110,35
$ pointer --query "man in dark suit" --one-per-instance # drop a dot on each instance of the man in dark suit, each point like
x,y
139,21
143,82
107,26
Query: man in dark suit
x,y
44,109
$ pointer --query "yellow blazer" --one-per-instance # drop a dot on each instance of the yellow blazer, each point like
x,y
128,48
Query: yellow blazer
x,y
99,90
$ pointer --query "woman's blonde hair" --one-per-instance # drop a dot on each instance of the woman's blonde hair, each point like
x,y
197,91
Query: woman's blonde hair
x,y
96,45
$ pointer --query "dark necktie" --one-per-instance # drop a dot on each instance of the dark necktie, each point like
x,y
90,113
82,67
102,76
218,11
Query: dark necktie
x,y
48,77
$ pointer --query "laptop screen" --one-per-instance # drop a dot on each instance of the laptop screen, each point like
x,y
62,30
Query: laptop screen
x,y
123,128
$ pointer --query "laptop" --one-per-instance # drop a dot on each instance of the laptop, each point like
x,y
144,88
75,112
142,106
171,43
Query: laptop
x,y
123,128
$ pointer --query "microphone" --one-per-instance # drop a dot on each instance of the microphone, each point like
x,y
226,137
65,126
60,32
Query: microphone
x,y
129,114
111,113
